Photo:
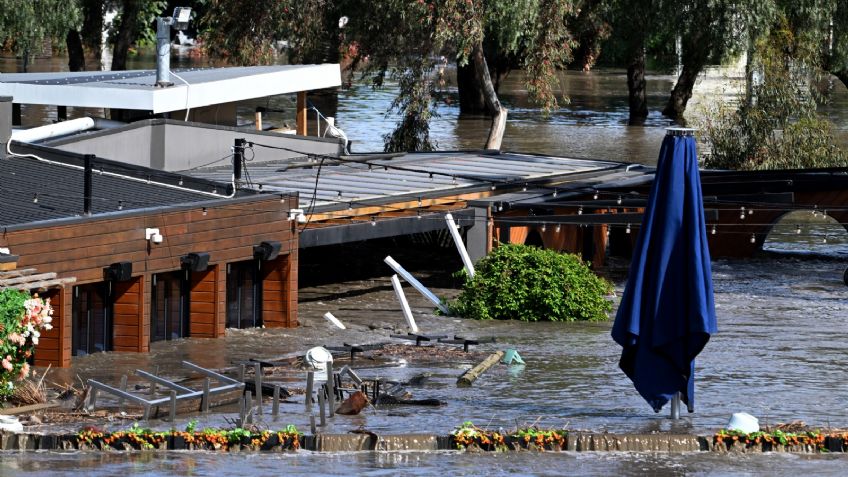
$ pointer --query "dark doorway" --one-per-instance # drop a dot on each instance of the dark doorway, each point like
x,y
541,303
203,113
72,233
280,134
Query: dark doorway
x,y
169,312
92,318
534,239
244,295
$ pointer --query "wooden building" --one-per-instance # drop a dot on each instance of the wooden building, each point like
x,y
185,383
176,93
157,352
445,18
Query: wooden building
x,y
156,256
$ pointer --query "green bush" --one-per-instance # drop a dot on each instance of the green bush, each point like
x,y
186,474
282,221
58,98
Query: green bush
x,y
519,282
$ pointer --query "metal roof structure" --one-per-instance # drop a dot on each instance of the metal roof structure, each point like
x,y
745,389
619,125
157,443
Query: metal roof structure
x,y
359,179
136,89
33,190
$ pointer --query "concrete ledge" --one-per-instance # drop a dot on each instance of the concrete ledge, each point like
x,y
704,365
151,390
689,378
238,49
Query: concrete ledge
x,y
273,442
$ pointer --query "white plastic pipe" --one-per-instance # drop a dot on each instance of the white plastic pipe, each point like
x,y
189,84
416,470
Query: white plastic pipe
x,y
332,319
52,130
407,313
416,284
466,260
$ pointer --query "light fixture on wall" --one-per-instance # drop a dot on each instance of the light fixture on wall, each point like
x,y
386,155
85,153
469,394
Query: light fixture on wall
x,y
195,261
152,235
118,271
267,250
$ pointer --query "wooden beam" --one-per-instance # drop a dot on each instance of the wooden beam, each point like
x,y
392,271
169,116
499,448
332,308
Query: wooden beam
x,y
42,284
27,278
301,113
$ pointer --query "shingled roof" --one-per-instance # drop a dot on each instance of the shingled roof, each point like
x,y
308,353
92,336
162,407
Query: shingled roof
x,y
33,190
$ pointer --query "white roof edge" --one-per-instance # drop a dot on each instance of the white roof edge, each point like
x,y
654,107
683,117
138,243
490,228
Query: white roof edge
x,y
257,82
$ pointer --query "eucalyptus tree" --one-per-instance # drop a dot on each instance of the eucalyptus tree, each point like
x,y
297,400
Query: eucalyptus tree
x,y
26,25
407,40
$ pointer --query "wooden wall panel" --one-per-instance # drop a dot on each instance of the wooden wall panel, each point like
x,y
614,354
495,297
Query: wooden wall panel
x,y
83,248
274,293
51,349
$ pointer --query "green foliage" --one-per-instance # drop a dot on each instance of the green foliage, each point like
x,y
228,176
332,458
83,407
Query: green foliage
x,y
24,25
12,353
778,127
519,282
145,22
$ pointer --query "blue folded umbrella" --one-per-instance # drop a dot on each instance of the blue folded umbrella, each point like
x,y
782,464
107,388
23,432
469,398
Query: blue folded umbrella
x,y
667,315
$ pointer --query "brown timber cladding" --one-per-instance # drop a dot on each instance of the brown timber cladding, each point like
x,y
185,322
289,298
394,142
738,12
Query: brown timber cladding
x,y
227,232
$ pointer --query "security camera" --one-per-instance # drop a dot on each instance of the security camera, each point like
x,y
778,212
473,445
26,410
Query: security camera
x,y
157,238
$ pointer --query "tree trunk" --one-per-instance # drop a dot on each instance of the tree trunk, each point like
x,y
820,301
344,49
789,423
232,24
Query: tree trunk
x,y
76,56
682,92
636,87
471,97
126,35
493,105
92,26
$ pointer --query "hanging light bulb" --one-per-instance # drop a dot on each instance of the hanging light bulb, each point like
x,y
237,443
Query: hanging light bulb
x,y
419,215
595,196
558,228
627,230
420,202
580,210
214,190
824,240
713,231
742,213
797,230
282,198
350,206
204,211
619,200
493,187
339,195
120,205
373,221
544,228
524,189
753,238
555,193
750,211
35,198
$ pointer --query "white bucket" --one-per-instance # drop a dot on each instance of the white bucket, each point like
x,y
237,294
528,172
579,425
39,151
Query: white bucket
x,y
743,422
10,423
317,358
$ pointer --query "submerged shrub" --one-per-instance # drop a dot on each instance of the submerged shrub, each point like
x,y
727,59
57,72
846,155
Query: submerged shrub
x,y
519,282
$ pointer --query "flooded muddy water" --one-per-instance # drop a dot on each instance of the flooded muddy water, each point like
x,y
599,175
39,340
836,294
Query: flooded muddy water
x,y
780,352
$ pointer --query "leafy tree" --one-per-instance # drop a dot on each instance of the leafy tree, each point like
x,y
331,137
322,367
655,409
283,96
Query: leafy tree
x,y
25,26
400,40
779,128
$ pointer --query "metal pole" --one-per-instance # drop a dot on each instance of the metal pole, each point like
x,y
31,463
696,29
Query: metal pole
x,y
124,389
321,408
163,52
312,424
416,284
675,406
205,404
275,407
87,159
310,383
404,305
460,246
173,406
331,388
257,376
238,156
248,406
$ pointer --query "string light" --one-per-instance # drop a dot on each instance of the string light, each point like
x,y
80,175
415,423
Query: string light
x,y
627,230
419,215
753,238
120,205
750,211
580,210
524,189
339,195
214,190
742,213
35,198
619,200
204,211
554,194
595,196
825,239
373,221
713,231
797,230
558,228
493,187
180,183
350,206
420,202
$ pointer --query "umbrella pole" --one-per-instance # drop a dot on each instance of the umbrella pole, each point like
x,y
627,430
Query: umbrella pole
x,y
675,406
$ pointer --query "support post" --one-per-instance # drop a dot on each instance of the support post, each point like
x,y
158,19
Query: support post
x,y
312,424
404,305
258,119
275,406
310,383
173,414
86,206
331,388
301,114
675,406
124,389
257,376
205,404
248,406
321,408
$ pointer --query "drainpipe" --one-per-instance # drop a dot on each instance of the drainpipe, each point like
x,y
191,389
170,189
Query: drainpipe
x,y
52,130
163,52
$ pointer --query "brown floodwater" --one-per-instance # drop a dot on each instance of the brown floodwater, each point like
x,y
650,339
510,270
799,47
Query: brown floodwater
x,y
779,353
